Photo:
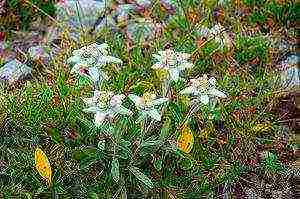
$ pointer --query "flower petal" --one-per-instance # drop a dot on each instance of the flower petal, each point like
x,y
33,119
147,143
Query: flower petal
x,y
158,66
92,109
159,101
122,110
100,117
102,48
142,116
164,53
204,99
78,66
138,101
174,74
204,31
78,52
97,93
74,59
185,65
94,74
189,90
116,100
75,68
91,101
153,113
157,57
216,92
212,81
109,59
182,57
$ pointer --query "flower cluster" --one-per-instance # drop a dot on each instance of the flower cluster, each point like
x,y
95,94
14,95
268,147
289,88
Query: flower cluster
x,y
218,34
204,89
173,62
106,105
146,104
89,60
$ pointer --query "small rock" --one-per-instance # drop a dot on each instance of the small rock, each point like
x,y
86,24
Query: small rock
x,y
79,14
123,11
290,77
144,30
13,71
2,8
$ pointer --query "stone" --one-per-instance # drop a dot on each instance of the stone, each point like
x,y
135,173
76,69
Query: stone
x,y
76,15
290,77
144,30
13,71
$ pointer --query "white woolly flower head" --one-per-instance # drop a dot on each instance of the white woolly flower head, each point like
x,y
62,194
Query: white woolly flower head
x,y
89,59
216,33
203,88
173,62
147,104
105,104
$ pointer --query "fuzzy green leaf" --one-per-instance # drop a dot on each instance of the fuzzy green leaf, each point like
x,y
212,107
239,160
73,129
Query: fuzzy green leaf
x,y
142,177
115,170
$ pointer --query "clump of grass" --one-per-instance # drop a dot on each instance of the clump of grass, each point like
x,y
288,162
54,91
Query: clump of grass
x,y
19,14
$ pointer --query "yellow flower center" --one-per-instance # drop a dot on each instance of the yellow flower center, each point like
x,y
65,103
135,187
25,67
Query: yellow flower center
x,y
104,99
148,98
162,74
202,82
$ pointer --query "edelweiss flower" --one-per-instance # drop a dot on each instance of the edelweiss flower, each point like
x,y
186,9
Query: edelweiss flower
x,y
173,62
105,105
203,88
89,59
146,104
218,33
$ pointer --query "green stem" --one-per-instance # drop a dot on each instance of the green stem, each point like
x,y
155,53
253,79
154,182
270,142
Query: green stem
x,y
53,192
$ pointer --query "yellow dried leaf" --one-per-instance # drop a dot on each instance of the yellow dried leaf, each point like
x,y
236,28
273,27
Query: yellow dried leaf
x,y
185,140
42,165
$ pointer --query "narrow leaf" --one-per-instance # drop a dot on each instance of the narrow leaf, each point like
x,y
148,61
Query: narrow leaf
x,y
142,177
115,170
